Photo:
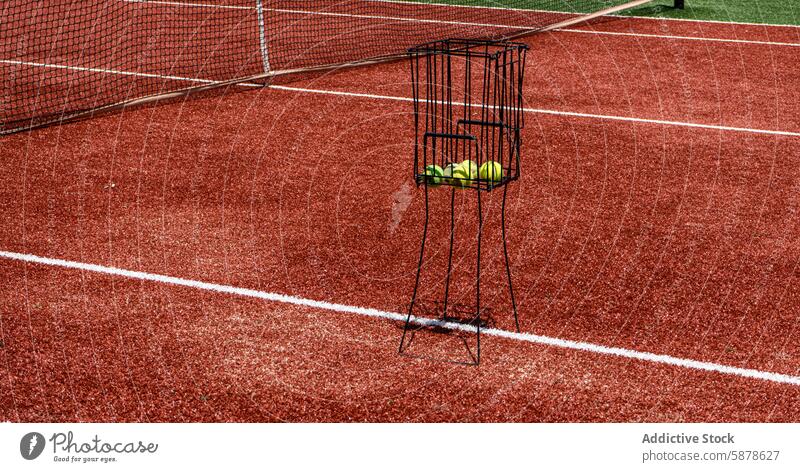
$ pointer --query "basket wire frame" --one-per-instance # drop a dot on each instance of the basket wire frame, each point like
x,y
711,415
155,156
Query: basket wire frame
x,y
468,105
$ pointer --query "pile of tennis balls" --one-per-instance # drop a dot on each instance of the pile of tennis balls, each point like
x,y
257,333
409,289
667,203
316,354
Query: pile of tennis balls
x,y
459,175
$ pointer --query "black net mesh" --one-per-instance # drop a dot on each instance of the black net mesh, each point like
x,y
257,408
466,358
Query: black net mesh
x,y
62,57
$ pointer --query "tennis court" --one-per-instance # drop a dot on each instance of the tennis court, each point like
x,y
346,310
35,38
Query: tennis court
x,y
248,254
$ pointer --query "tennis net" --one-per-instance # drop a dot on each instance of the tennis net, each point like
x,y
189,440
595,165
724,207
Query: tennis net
x,y
64,59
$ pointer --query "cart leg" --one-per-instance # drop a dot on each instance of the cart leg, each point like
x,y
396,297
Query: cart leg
x,y
419,269
505,252
450,255
478,282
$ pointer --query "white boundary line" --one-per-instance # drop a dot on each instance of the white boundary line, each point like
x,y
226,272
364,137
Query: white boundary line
x,y
105,71
407,99
118,72
187,4
336,307
684,38
482,7
652,18
559,113
403,19
460,23
337,14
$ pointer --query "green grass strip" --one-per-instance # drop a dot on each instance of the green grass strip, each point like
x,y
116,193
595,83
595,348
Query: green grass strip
x,y
776,12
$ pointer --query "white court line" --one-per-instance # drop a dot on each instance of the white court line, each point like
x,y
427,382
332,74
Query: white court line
x,y
684,38
470,24
651,18
335,14
407,99
119,72
486,7
187,4
104,71
371,312
560,113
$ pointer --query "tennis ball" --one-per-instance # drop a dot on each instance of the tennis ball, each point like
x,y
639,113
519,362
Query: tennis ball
x,y
447,175
491,171
433,175
460,173
471,168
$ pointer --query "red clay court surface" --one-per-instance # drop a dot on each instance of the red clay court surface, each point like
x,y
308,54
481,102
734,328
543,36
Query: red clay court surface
x,y
654,239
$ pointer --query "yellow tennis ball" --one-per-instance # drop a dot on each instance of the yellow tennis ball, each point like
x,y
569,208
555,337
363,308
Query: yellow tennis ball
x,y
471,168
491,171
460,177
447,175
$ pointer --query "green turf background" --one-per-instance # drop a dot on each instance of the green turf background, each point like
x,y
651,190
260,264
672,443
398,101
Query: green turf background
x,y
781,12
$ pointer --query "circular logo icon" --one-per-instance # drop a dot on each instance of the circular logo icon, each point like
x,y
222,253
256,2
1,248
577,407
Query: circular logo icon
x,y
31,446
